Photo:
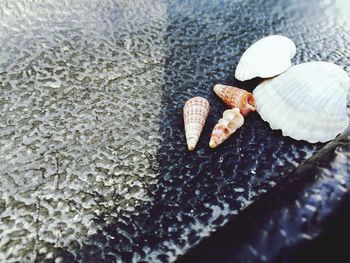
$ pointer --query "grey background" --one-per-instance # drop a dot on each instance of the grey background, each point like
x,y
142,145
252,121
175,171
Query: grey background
x,y
93,159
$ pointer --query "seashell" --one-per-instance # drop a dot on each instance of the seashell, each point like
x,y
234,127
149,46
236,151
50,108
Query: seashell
x,y
307,102
227,125
195,114
235,98
266,58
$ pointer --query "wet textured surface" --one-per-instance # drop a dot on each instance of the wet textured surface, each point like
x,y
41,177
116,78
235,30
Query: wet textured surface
x,y
93,156
303,219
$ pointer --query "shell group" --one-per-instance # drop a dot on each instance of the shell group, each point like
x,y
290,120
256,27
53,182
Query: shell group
x,y
266,58
307,102
195,113
235,98
227,125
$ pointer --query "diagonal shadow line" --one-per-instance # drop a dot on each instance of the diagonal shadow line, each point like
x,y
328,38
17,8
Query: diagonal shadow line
x,y
256,234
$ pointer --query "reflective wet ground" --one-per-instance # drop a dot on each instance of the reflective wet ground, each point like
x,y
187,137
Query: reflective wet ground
x,y
93,159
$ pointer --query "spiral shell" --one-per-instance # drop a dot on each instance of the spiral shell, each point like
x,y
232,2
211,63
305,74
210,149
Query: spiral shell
x,y
227,125
235,98
195,113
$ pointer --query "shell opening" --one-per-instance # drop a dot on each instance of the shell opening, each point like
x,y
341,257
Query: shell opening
x,y
250,101
248,104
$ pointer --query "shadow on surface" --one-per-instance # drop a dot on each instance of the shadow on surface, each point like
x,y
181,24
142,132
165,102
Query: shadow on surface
x,y
280,226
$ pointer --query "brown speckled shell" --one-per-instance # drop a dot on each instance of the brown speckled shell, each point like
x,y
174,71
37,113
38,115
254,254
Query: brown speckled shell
x,y
195,114
226,126
235,98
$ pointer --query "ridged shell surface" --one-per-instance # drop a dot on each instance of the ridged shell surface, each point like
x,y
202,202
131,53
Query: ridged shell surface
x,y
266,58
195,113
226,126
235,98
307,102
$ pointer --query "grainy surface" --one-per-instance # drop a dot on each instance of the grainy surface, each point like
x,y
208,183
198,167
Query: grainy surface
x,y
305,218
93,158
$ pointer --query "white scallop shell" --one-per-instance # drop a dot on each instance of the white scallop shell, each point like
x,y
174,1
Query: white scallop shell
x,y
266,58
307,102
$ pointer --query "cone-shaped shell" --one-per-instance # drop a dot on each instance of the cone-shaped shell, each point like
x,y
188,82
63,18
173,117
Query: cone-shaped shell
x,y
235,98
227,125
307,102
266,58
195,114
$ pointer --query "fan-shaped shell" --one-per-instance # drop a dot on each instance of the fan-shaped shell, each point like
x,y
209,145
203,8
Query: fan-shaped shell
x,y
307,102
266,58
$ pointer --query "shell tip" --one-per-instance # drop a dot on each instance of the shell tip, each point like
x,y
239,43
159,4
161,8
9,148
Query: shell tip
x,y
217,88
191,145
212,144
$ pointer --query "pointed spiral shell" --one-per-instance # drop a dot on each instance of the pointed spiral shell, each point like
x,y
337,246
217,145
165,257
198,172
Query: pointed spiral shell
x,y
235,98
195,113
227,125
